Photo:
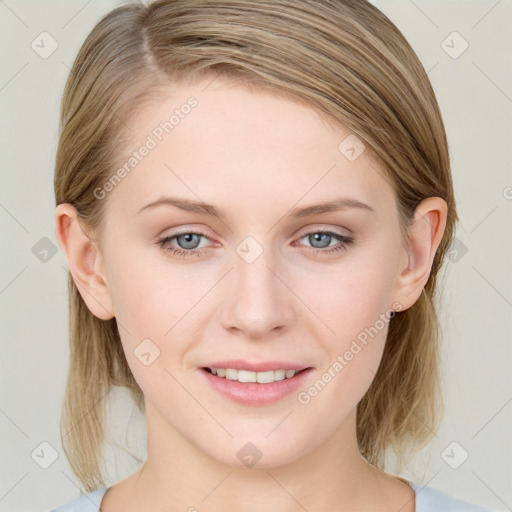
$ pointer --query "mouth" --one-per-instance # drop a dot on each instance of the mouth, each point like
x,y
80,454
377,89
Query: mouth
x,y
247,376
255,388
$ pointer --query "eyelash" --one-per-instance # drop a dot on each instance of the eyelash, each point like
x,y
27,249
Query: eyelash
x,y
345,241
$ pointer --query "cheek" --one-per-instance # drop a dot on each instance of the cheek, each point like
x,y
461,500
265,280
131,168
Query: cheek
x,y
157,300
353,302
360,320
149,293
348,297
145,304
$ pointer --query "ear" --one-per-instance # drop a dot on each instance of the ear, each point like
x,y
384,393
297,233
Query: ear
x,y
425,235
84,260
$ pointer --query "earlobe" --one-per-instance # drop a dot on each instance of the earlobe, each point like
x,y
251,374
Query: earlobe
x,y
84,260
425,235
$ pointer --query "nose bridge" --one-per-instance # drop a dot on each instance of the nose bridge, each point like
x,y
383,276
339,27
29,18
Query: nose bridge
x,y
259,301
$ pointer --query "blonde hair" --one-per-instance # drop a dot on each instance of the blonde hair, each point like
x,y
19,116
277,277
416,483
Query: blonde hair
x,y
343,58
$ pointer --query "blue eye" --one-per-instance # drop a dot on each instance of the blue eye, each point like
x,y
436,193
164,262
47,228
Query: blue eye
x,y
188,239
188,242
321,236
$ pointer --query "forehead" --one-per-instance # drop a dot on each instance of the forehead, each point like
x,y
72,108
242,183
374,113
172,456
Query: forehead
x,y
217,139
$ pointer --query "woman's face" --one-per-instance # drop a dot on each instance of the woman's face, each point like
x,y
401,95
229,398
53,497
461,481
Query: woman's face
x,y
257,287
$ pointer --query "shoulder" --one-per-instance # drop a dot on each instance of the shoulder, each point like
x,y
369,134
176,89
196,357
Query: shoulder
x,y
429,499
89,502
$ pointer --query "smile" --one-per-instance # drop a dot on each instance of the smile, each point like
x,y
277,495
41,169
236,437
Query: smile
x,y
250,376
255,388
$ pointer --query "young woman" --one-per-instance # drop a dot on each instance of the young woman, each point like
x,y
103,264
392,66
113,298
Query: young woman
x,y
255,200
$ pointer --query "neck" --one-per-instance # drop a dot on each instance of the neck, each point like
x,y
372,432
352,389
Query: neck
x,y
179,476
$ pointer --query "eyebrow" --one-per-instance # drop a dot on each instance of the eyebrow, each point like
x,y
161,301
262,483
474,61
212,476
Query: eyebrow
x,y
188,205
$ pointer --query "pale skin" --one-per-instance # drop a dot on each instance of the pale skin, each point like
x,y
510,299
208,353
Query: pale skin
x,y
255,156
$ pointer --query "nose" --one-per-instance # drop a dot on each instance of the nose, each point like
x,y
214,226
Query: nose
x,y
259,303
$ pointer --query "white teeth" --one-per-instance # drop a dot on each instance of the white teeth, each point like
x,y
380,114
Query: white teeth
x,y
231,374
248,376
279,374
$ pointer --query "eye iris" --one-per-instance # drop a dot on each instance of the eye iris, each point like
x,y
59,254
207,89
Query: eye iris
x,y
317,237
187,237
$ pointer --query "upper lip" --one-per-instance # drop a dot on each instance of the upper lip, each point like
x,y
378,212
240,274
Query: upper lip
x,y
262,366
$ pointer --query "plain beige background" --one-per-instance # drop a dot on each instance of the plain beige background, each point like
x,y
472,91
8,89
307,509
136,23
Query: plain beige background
x,y
474,90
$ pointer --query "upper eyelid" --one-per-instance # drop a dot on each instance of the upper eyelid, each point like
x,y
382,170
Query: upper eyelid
x,y
301,234
336,231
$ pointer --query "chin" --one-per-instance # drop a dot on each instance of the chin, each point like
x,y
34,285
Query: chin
x,y
260,453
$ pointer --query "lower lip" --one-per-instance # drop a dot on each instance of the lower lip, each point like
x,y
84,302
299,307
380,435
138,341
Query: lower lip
x,y
254,393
